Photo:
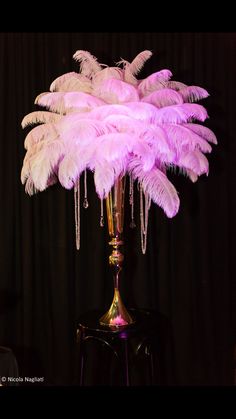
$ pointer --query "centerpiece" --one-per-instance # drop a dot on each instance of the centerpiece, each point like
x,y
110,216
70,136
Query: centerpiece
x,y
104,119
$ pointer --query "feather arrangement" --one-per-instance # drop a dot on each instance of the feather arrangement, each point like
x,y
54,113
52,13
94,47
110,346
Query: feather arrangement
x,y
105,120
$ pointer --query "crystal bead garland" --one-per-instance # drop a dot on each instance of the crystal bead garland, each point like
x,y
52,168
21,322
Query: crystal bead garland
x,y
77,213
144,218
85,203
131,200
101,216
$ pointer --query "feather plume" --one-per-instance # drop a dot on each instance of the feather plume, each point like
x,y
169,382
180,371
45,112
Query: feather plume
x,y
152,134
193,93
102,112
59,82
40,133
43,164
88,63
203,132
62,101
195,161
136,66
176,85
115,145
75,85
107,73
83,131
157,139
142,111
185,140
68,171
25,171
145,154
124,123
39,117
39,97
104,178
157,186
124,64
164,97
29,187
76,160
178,114
192,176
107,121
116,91
154,82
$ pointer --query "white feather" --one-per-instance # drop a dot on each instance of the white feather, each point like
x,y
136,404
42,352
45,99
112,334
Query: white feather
x,y
59,82
40,133
133,68
82,131
63,101
116,91
68,170
107,73
43,164
39,117
39,97
29,187
55,85
88,63
75,85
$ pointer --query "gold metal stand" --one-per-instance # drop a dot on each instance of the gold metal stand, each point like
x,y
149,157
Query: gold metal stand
x,y
117,315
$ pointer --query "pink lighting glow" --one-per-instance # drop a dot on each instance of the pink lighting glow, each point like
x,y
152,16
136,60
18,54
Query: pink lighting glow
x,y
105,120
118,321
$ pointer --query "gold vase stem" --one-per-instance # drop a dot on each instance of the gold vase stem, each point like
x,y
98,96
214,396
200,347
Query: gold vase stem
x,y
116,281
117,315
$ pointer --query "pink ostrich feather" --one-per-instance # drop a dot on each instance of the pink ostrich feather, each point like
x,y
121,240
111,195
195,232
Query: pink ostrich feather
x,y
106,120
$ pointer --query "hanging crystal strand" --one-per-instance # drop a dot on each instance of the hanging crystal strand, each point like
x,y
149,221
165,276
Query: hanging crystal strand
x,y
85,203
102,216
147,207
77,213
144,218
131,200
141,209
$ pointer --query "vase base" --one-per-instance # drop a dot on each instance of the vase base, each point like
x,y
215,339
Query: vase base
x,y
117,316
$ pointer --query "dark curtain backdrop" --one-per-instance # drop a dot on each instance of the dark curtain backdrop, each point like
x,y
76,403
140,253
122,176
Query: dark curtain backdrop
x,y
188,273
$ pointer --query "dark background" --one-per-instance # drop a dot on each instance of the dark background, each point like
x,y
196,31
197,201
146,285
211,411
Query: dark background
x,y
188,271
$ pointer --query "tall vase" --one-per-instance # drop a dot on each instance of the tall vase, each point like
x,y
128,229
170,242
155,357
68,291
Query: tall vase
x,y
117,315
